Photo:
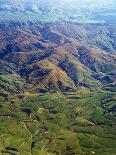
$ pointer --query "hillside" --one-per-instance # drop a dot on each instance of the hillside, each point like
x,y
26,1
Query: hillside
x,y
51,58
57,86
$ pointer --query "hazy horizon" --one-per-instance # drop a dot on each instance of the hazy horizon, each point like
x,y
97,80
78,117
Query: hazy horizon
x,y
98,3
54,10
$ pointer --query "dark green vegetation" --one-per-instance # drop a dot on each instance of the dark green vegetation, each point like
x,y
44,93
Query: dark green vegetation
x,y
80,123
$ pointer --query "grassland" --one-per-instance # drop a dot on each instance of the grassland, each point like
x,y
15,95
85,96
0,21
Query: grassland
x,y
80,123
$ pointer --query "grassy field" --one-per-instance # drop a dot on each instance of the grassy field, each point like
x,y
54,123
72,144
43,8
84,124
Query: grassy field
x,y
80,123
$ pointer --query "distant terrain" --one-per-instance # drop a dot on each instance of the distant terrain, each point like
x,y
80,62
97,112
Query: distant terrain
x,y
84,11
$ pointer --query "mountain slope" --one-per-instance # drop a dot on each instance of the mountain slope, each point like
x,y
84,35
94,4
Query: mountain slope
x,y
49,59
